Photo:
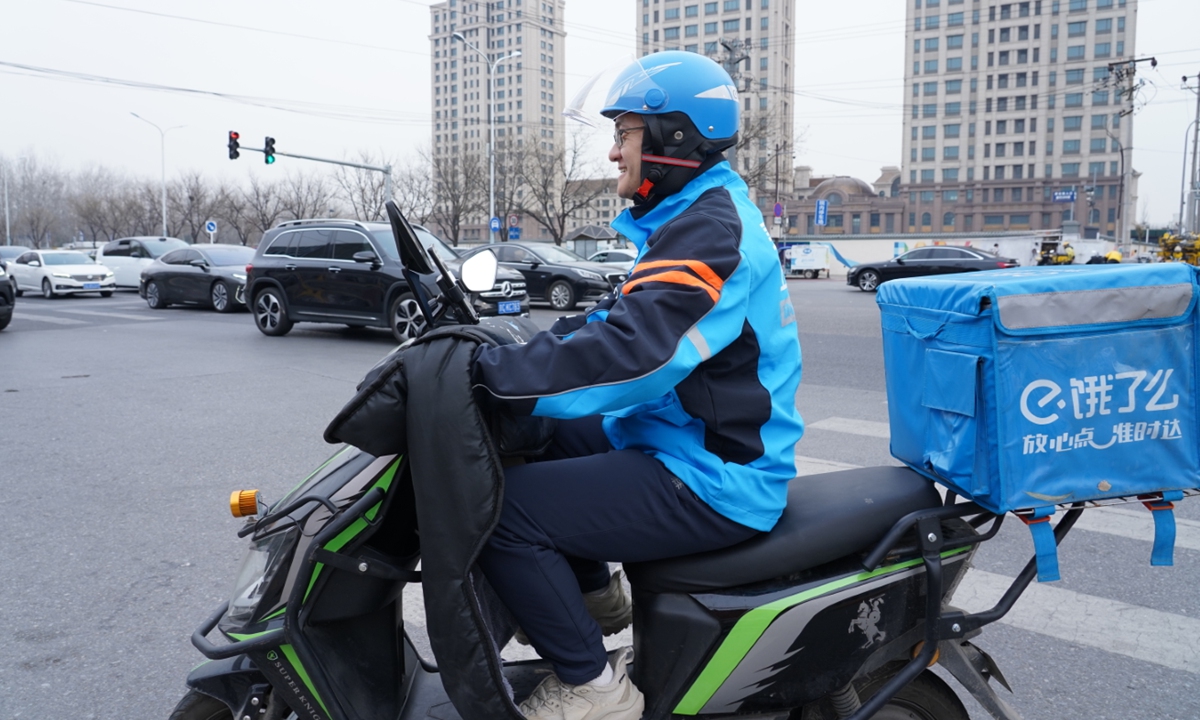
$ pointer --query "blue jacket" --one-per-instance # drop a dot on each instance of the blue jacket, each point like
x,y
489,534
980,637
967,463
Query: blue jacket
x,y
694,359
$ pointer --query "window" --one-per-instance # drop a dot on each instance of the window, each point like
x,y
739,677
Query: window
x,y
764,24
1005,35
953,64
931,67
1018,219
1001,127
1103,50
1104,27
948,219
1070,169
931,44
954,20
671,14
710,29
1095,169
1070,147
1073,122
950,152
1076,29
671,33
732,5
953,109
927,153
999,174
997,220
1001,149
928,111
1075,52
691,11
1100,97
1003,59
1018,149
927,176
732,26
1073,100
953,87
1074,77
1023,32
928,132
926,219
710,8
931,22
1019,126
954,42
1077,6
951,131
930,88
949,196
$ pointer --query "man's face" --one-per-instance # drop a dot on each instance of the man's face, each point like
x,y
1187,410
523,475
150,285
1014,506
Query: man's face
x,y
627,153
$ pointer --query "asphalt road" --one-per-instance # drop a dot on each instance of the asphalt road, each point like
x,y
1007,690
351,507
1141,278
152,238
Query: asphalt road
x,y
125,429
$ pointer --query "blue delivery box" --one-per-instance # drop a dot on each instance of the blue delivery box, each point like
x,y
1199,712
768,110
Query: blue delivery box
x,y
1026,388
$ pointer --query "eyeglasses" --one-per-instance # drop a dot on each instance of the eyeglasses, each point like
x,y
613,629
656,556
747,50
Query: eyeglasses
x,y
619,135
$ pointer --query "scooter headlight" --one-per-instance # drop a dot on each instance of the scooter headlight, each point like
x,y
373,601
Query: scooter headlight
x,y
267,561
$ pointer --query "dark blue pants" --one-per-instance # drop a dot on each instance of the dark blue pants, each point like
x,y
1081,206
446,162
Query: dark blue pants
x,y
580,505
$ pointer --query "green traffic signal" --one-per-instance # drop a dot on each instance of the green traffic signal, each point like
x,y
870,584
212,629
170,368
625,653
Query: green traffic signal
x,y
269,150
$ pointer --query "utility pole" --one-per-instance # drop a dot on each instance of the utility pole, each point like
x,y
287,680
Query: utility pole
x,y
735,53
1193,211
7,228
1120,76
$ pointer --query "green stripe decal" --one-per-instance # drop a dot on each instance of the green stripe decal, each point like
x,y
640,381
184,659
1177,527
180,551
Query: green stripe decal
x,y
751,626
345,536
275,614
290,653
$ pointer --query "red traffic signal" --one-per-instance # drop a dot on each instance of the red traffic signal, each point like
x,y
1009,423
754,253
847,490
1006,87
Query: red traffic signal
x,y
233,145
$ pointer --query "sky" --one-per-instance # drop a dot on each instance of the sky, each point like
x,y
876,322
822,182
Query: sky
x,y
338,79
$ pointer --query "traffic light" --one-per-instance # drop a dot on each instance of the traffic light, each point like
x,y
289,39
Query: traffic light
x,y
269,150
233,145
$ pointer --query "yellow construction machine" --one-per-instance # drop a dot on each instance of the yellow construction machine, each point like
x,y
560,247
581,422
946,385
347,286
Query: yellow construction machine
x,y
1179,248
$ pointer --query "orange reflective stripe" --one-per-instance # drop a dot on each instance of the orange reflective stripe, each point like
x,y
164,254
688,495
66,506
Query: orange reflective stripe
x,y
704,271
674,276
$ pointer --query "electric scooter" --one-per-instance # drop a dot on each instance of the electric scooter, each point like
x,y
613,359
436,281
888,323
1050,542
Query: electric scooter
x,y
839,612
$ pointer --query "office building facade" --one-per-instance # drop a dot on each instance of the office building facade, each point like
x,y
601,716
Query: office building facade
x,y
1007,103
527,93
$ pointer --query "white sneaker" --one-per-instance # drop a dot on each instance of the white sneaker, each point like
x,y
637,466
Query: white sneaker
x,y
619,700
611,607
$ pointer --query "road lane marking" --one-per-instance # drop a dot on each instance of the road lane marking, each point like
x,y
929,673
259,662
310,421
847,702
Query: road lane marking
x,y
98,313
854,427
1137,525
1138,632
22,315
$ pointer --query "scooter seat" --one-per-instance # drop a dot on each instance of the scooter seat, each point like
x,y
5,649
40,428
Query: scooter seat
x,y
828,516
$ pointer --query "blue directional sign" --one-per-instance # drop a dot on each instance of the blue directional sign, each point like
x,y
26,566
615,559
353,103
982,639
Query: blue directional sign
x,y
822,212
1064,196
495,224
210,226
514,233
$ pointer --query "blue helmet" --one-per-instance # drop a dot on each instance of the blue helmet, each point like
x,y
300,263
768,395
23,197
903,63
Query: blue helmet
x,y
679,82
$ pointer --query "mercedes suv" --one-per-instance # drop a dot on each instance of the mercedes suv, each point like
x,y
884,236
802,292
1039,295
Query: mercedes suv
x,y
349,272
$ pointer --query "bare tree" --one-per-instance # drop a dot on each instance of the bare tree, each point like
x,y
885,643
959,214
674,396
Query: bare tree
x,y
192,201
263,207
306,196
414,190
233,212
364,190
456,187
92,191
41,191
557,185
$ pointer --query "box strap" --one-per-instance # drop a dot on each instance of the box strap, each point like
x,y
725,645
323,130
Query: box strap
x,y
973,334
1044,545
1162,510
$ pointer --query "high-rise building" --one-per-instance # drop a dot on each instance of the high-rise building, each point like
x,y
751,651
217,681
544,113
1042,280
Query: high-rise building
x,y
527,93
1007,103
755,41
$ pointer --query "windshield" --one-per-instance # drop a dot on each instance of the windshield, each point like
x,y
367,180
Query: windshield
x,y
66,258
228,255
555,254
442,249
10,252
164,245
384,239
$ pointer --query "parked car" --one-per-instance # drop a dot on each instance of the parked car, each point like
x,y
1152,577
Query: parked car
x,y
213,275
349,272
8,298
555,274
937,260
128,257
60,272
618,257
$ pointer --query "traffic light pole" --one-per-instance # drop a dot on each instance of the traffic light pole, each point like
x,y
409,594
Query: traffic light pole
x,y
386,169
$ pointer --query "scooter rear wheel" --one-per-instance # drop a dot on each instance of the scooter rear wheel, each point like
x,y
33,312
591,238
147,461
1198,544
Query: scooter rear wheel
x,y
198,706
927,697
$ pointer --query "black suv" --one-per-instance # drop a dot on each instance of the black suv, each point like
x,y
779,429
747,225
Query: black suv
x,y
348,272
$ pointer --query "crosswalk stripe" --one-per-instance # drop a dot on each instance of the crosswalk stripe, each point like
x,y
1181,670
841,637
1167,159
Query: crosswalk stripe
x,y
814,466
1137,525
869,428
98,313
1150,635
23,315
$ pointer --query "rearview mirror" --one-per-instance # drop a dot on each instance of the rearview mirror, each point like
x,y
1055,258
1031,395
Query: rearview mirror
x,y
412,255
479,271
198,262
366,256
34,263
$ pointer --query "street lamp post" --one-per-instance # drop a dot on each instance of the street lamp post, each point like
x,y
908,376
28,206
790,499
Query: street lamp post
x,y
1182,225
491,127
162,134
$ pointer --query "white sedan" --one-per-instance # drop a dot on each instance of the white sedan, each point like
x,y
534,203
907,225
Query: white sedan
x,y
60,272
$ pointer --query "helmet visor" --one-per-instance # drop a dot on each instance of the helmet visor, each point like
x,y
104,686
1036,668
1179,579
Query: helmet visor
x,y
588,104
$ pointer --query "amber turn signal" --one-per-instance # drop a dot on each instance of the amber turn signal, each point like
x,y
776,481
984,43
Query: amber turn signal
x,y
243,503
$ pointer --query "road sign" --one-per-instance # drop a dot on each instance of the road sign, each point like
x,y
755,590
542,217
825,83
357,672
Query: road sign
x,y
1064,196
514,233
210,226
822,212
778,210
495,224
514,220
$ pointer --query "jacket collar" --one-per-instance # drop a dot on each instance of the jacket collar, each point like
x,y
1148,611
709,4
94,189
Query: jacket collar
x,y
640,229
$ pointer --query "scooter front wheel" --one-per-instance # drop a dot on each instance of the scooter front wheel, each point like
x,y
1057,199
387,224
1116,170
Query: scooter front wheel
x,y
198,706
